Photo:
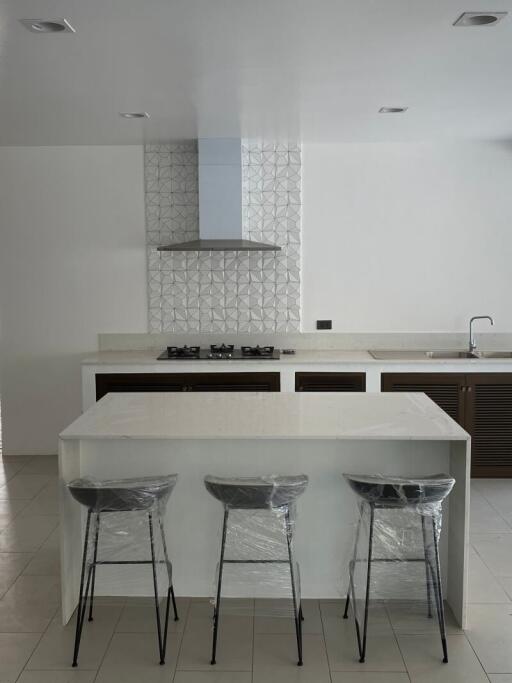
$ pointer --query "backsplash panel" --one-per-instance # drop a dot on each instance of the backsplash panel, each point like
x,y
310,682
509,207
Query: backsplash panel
x,y
231,292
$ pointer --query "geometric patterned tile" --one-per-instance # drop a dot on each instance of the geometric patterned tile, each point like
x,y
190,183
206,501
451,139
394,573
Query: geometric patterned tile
x,y
224,291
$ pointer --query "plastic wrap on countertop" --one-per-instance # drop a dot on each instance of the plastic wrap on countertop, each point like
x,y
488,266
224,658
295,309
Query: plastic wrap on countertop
x,y
124,513
407,513
261,519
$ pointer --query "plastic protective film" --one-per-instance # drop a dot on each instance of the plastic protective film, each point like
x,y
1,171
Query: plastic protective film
x,y
259,552
125,519
399,523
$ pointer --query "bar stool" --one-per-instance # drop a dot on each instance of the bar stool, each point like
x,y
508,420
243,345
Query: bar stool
x,y
422,496
277,493
147,494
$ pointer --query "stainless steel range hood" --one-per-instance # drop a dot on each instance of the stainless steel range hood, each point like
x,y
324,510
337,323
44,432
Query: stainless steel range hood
x,y
220,200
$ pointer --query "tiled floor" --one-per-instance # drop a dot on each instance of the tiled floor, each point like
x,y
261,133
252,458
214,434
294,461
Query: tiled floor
x,y
255,646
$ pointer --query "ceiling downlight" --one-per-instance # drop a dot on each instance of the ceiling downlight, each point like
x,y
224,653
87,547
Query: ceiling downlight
x,y
134,114
48,25
393,110
479,18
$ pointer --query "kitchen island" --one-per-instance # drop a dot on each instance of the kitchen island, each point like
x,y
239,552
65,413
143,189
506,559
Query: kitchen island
x,y
231,434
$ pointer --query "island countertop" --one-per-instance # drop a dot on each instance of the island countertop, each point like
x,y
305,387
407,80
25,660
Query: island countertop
x,y
350,416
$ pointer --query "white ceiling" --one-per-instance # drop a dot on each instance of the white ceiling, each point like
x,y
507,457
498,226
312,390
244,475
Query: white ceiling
x,y
313,69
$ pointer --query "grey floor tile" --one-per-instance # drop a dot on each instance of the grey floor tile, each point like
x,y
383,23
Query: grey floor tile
x,y
490,634
484,518
234,647
142,618
34,590
383,653
46,502
57,677
496,551
25,618
27,534
55,649
483,586
44,562
15,649
277,616
412,617
42,464
24,486
213,677
11,566
500,678
275,659
423,658
134,657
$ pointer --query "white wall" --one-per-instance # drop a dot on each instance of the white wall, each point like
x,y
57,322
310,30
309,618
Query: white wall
x,y
72,264
407,237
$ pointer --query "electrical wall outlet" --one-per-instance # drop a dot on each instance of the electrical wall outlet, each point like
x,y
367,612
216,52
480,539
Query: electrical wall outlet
x,y
324,324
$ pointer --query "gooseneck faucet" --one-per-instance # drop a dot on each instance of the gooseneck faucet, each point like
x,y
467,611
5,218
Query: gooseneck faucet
x,y
472,343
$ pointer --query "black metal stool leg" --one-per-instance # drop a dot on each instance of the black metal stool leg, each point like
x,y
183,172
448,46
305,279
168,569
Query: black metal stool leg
x,y
297,610
96,535
440,603
155,584
362,650
169,572
219,587
352,564
425,549
82,599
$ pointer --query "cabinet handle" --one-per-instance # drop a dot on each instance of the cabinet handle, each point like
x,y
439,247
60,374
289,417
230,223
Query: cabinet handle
x,y
463,389
469,388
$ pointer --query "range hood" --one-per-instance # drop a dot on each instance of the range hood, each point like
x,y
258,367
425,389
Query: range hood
x,y
220,200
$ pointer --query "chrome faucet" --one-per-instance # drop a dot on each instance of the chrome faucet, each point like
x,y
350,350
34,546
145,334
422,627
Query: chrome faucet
x,y
472,343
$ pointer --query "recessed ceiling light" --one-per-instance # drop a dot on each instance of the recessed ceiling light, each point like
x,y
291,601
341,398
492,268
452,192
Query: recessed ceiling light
x,y
392,110
479,18
134,114
48,25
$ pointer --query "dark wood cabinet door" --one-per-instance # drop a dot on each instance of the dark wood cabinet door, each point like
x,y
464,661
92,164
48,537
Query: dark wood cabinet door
x,y
445,389
190,381
330,381
235,381
489,421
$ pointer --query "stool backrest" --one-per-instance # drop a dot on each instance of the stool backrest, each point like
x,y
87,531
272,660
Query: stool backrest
x,y
122,495
256,493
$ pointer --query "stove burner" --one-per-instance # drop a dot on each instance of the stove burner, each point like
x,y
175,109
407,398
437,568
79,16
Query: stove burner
x,y
223,348
222,351
183,351
257,350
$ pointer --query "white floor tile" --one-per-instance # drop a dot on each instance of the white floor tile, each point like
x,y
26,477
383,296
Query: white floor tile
x,y
490,634
423,658
24,486
57,677
27,534
496,552
275,659
484,518
15,649
134,657
368,677
483,586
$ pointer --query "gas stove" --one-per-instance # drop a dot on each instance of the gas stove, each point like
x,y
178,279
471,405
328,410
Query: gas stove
x,y
220,352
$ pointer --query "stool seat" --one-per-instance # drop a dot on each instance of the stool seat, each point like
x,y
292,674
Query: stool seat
x,y
390,491
256,493
122,495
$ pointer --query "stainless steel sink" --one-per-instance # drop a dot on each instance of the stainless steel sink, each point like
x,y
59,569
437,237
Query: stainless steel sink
x,y
409,355
495,354
449,355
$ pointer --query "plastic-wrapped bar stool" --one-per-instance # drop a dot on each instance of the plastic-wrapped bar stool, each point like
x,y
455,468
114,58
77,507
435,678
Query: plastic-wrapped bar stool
x,y
277,493
419,496
146,494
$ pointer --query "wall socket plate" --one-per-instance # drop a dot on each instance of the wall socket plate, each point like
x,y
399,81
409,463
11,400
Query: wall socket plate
x,y
324,324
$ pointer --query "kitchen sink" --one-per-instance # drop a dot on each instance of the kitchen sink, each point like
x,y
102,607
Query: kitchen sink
x,y
495,354
449,355
409,355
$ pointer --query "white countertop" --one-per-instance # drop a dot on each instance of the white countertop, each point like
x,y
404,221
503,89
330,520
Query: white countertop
x,y
354,416
301,357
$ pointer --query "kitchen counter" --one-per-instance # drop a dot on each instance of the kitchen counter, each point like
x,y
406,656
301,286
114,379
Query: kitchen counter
x,y
253,434
264,416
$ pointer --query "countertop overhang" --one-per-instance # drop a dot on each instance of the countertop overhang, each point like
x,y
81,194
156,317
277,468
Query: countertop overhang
x,y
350,416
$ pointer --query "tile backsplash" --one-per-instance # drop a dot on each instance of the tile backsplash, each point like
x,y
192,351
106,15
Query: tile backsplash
x,y
231,292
